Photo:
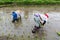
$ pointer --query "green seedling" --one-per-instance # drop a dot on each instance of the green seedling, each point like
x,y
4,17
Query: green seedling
x,y
58,33
2,34
22,36
0,19
28,36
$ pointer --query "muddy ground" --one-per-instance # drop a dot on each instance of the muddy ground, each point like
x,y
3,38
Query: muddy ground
x,y
22,30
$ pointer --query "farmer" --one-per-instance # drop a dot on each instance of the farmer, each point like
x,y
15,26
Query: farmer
x,y
40,19
16,15
18,12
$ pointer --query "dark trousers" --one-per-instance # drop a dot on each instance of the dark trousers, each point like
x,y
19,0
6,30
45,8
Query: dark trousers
x,y
37,27
14,20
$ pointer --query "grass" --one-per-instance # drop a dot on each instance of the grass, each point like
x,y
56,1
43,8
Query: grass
x,y
29,2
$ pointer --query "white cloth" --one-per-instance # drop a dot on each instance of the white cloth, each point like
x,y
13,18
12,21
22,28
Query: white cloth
x,y
18,14
38,20
43,17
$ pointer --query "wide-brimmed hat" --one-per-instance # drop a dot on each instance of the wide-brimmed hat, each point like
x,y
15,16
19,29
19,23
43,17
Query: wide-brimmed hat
x,y
46,14
18,11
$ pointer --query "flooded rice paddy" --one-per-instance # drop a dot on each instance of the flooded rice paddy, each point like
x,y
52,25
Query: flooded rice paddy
x,y
22,30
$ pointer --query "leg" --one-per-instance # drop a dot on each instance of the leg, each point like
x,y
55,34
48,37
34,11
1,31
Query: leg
x,y
13,20
36,28
20,17
17,20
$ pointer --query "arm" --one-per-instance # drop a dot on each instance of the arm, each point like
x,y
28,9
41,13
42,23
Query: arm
x,y
41,20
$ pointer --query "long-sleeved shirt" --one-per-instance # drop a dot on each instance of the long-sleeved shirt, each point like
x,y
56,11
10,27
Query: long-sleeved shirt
x,y
14,15
38,19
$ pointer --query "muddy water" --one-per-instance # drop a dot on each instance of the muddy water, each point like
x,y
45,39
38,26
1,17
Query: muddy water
x,y
24,27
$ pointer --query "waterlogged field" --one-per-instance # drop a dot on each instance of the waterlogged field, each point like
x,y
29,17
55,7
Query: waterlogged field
x,y
22,30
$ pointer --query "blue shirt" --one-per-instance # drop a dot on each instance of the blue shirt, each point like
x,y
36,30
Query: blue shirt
x,y
14,15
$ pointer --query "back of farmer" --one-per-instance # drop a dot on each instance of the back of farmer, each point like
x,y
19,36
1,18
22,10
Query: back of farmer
x,y
37,20
40,19
18,12
14,16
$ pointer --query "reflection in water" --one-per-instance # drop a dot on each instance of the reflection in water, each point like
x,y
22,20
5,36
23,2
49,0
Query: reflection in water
x,y
41,33
26,14
17,24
